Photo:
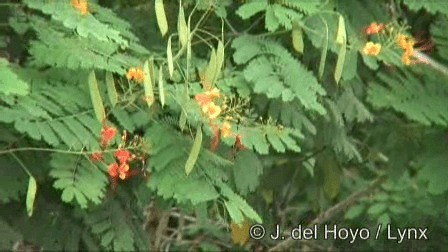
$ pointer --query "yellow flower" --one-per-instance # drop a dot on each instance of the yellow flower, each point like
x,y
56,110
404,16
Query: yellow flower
x,y
407,44
81,6
136,74
406,59
372,49
214,93
211,110
226,130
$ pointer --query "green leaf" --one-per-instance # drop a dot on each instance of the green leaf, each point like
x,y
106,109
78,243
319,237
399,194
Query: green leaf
x,y
246,171
323,56
31,196
354,212
340,39
96,97
377,209
297,37
219,60
182,27
169,55
111,91
148,82
161,17
332,181
194,153
251,8
10,83
161,87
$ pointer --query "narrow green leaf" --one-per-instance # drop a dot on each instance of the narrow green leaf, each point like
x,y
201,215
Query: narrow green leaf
x,y
96,97
161,89
332,183
297,37
194,154
211,68
111,91
161,17
189,42
341,35
169,55
31,196
148,83
219,60
323,56
340,63
341,38
182,28
182,120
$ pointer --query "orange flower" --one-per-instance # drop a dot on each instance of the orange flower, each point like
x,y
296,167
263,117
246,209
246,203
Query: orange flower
x,y
113,170
122,156
96,157
123,170
372,49
211,110
407,44
81,6
202,99
107,134
404,41
136,74
226,130
374,28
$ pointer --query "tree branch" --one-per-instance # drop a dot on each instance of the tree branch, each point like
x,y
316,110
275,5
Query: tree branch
x,y
329,213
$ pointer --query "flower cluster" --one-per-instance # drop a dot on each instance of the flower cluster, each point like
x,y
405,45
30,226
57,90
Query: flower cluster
x,y
371,48
136,74
407,44
121,168
81,6
208,106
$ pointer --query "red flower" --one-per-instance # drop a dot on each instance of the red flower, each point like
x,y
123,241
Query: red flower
x,y
374,28
123,171
122,156
96,157
107,134
113,170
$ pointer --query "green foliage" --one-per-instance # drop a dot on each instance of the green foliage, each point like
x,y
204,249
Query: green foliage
x,y
55,113
403,92
94,156
78,179
278,14
11,83
274,72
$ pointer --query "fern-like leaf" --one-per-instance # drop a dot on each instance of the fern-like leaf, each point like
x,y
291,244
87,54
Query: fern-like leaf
x,y
78,179
276,73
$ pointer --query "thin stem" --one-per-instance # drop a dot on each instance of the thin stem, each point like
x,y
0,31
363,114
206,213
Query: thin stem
x,y
21,164
24,149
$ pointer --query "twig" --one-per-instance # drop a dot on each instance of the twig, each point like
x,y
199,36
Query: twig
x,y
284,245
430,62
